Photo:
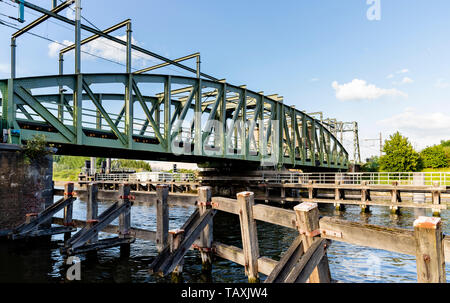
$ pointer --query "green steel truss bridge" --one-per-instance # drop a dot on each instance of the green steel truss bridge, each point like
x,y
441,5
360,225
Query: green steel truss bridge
x,y
137,115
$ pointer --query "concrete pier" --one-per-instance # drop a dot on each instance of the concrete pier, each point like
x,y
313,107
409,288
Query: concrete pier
x,y
25,187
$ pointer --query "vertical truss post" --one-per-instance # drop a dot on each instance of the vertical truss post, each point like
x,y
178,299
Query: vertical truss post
x,y
261,142
78,109
244,143
223,118
198,66
13,57
99,115
281,117
61,92
129,112
77,37
167,114
198,120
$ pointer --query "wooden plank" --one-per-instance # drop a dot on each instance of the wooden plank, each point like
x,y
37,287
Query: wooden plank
x,y
287,262
162,217
382,188
249,235
304,269
370,203
429,250
379,237
236,255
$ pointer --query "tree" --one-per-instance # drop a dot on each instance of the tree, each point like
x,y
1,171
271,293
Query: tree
x,y
399,156
434,157
372,165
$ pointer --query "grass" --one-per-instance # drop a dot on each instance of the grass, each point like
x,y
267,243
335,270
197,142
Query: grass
x,y
61,174
437,170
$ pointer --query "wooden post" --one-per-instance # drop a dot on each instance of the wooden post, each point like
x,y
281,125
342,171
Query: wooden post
x,y
396,198
311,190
206,237
162,216
175,239
124,218
339,195
246,200
92,208
365,197
68,210
436,198
308,226
429,250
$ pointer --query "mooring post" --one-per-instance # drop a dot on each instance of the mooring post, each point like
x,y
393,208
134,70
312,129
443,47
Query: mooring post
x,y
68,210
307,215
175,238
125,218
396,198
365,197
92,208
430,258
338,196
206,237
162,216
436,198
311,190
246,200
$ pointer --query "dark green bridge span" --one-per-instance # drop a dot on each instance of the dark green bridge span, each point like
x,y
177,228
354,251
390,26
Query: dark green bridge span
x,y
165,117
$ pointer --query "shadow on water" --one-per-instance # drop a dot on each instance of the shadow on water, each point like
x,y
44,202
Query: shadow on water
x,y
40,261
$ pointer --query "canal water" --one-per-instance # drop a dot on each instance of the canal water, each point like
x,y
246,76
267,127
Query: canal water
x,y
34,262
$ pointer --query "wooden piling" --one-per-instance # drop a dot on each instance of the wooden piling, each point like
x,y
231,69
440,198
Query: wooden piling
x,y
162,217
429,250
395,198
307,215
68,210
365,197
206,237
92,206
339,195
436,198
175,239
246,200
125,218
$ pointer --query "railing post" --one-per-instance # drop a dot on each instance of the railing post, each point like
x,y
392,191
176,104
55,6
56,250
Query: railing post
x,y
68,210
206,237
246,200
162,216
429,250
125,218
436,197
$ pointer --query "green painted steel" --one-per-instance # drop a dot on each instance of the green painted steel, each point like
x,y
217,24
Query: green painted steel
x,y
167,114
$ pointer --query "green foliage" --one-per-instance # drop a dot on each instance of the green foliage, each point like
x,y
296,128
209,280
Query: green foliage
x,y
70,162
445,143
64,174
372,165
434,157
36,149
133,164
399,156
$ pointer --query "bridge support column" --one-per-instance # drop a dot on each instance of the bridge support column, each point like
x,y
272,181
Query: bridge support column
x,y
24,188
339,195
206,237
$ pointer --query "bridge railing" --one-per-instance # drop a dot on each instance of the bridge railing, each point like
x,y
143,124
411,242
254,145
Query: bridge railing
x,y
374,178
147,177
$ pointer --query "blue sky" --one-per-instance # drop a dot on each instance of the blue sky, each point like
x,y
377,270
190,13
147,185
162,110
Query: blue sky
x,y
322,55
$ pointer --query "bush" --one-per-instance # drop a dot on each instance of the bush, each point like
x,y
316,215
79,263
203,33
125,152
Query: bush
x,y
372,165
434,157
399,156
36,149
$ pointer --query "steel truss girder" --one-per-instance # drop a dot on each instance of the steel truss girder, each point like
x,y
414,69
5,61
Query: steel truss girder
x,y
245,118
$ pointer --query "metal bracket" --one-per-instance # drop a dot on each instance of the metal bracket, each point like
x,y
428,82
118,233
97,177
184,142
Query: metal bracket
x,y
332,233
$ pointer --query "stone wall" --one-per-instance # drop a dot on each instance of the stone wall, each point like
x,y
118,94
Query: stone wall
x,y
24,188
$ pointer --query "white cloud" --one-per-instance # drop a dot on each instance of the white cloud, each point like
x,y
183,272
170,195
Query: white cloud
x,y
390,76
403,71
441,83
361,90
104,48
407,80
422,128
